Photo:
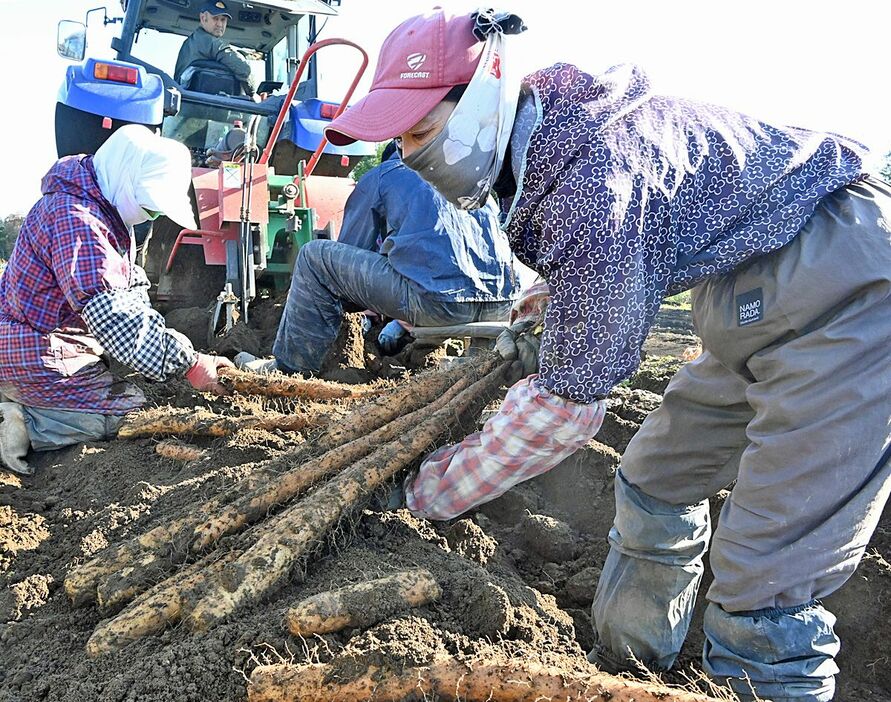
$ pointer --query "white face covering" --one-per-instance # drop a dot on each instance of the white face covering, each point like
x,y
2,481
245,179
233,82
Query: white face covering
x,y
464,160
137,170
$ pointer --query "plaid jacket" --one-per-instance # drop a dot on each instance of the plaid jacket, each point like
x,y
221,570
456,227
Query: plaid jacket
x,y
533,431
71,292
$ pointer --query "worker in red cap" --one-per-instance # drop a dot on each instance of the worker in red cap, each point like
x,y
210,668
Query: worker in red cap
x,y
619,196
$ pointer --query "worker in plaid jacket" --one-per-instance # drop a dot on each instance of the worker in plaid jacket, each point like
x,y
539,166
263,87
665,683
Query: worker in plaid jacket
x,y
72,293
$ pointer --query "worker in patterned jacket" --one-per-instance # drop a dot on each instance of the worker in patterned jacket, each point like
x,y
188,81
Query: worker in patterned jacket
x,y
72,292
618,197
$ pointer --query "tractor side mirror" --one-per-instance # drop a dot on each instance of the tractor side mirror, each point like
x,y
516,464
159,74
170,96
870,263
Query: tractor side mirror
x,y
71,40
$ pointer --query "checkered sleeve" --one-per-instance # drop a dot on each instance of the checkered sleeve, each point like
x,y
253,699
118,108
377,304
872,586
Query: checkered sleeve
x,y
135,334
532,432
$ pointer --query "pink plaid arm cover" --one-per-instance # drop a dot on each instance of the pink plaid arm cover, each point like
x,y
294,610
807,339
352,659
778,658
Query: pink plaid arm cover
x,y
533,431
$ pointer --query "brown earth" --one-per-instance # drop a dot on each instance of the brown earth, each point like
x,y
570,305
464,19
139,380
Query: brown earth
x,y
517,575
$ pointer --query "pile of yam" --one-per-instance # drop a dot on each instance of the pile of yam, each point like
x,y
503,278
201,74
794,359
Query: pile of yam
x,y
244,543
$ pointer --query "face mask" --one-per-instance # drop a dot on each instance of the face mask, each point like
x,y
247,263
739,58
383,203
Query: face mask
x,y
151,215
464,160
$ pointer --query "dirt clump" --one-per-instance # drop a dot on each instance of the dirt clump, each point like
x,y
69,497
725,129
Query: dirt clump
x,y
192,322
239,338
468,539
548,537
347,360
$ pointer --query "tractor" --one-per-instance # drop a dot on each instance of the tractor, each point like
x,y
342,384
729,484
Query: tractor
x,y
264,179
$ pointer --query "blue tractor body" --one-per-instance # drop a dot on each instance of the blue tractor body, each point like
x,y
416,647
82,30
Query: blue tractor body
x,y
99,95
139,102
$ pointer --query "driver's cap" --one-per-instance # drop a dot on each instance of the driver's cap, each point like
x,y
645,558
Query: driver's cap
x,y
216,8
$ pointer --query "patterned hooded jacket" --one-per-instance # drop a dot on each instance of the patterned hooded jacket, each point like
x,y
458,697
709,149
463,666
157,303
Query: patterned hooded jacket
x,y
72,291
625,197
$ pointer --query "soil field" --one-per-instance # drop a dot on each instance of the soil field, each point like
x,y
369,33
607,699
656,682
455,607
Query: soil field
x,y
517,576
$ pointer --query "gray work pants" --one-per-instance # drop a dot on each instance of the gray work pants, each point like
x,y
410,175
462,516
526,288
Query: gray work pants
x,y
56,428
331,277
791,399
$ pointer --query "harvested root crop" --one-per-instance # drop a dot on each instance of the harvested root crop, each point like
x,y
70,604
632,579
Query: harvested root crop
x,y
122,570
269,562
171,421
280,385
363,604
159,607
81,583
178,451
280,489
446,678
414,395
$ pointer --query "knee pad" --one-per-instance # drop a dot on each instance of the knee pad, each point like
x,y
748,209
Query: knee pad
x,y
781,654
654,530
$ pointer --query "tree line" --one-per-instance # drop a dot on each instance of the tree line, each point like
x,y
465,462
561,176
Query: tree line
x,y
9,230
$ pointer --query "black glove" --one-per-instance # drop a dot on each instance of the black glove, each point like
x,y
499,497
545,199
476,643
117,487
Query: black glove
x,y
520,343
489,20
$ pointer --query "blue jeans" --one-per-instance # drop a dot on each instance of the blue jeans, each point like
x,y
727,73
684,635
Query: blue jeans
x,y
331,278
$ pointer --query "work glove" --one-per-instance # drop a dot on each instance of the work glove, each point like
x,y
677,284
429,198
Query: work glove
x,y
203,375
390,336
520,342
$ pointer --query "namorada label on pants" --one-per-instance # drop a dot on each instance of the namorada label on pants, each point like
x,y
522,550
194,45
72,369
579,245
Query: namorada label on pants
x,y
749,307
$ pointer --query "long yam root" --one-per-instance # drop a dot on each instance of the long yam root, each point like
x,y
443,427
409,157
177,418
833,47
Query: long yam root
x,y
265,565
173,421
81,583
285,487
178,451
280,385
363,604
123,585
446,678
161,606
416,394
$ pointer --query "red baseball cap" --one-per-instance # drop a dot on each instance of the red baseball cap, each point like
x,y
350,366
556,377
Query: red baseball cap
x,y
420,61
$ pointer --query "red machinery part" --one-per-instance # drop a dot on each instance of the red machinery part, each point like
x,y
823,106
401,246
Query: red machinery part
x,y
286,105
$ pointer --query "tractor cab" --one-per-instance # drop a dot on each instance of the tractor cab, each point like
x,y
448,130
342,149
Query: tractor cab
x,y
207,101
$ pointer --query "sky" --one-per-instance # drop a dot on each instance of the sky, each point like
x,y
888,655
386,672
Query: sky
x,y
817,64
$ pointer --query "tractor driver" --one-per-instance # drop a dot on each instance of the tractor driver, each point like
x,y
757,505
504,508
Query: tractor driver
x,y
206,44
72,293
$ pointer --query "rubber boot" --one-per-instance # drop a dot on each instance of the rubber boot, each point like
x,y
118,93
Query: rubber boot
x,y
249,362
14,439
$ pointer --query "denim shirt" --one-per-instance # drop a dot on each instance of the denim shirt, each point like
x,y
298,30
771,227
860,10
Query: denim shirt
x,y
449,254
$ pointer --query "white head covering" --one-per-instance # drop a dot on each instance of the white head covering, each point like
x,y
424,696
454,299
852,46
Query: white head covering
x,y
138,170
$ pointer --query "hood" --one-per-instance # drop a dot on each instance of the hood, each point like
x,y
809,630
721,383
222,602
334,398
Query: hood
x,y
576,107
72,175
138,170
